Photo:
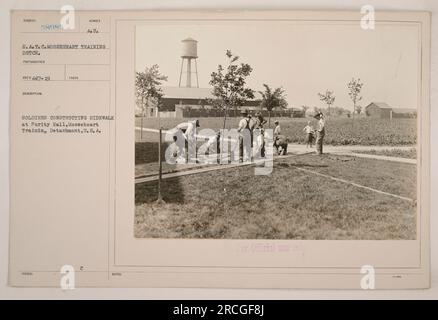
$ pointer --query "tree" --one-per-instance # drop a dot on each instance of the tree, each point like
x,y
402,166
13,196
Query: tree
x,y
229,85
354,89
328,98
272,99
147,89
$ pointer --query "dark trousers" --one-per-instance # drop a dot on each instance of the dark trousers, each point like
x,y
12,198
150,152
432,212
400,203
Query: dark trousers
x,y
319,142
310,139
283,149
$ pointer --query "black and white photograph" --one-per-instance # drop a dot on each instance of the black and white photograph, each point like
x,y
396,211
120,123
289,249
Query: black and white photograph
x,y
289,130
198,152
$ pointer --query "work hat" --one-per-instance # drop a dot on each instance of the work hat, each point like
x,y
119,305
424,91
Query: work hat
x,y
244,112
276,122
319,115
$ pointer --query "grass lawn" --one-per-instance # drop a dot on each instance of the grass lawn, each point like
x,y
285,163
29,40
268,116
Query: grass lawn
x,y
339,131
408,154
288,204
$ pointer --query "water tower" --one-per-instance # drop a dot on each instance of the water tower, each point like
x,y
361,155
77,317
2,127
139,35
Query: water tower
x,y
189,53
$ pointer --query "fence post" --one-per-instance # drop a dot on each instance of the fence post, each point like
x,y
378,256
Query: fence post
x,y
160,170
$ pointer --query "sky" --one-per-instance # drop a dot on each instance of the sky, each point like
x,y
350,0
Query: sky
x,y
302,57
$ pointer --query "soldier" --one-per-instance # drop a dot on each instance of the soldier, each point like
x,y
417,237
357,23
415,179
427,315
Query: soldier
x,y
259,123
308,129
244,129
281,145
189,132
277,129
320,132
259,120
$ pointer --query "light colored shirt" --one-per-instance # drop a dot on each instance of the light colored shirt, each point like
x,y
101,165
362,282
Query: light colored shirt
x,y
253,123
308,129
190,129
321,124
281,140
259,122
243,123
277,130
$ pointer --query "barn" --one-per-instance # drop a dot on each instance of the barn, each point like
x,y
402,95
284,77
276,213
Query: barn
x,y
186,101
193,102
382,110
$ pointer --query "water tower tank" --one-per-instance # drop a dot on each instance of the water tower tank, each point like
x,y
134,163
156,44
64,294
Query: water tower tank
x,y
189,48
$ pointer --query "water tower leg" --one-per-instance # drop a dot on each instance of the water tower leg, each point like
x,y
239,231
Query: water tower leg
x,y
196,71
189,73
180,73
160,170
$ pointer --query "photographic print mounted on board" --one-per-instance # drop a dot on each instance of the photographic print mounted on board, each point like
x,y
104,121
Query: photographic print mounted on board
x,y
255,149
276,130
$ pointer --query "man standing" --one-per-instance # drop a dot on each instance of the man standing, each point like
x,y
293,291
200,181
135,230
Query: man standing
x,y
320,132
277,133
244,130
259,123
259,120
309,134
277,129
